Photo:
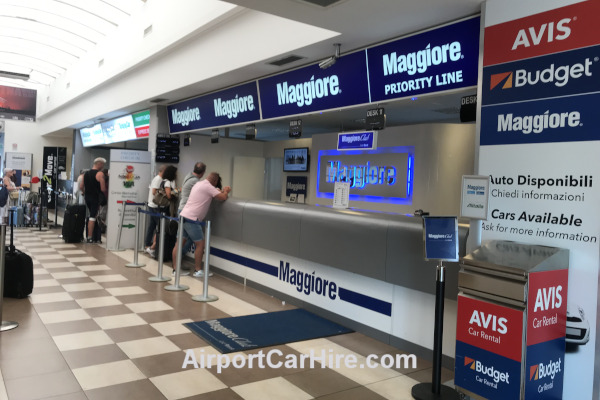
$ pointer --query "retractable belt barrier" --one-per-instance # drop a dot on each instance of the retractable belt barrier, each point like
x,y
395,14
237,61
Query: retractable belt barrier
x,y
177,286
123,204
136,248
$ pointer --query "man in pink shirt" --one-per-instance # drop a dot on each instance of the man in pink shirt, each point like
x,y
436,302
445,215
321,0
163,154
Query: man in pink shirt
x,y
196,209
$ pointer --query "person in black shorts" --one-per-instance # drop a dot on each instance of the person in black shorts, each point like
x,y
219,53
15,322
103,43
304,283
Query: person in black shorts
x,y
95,190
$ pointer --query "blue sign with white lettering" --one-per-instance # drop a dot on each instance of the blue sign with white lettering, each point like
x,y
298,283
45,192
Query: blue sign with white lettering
x,y
441,238
485,373
357,140
227,107
545,369
568,73
441,59
314,89
563,119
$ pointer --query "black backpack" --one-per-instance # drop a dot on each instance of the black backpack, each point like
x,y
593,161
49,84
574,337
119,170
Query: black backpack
x,y
3,196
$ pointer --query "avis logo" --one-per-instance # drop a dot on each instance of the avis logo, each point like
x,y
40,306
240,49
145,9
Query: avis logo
x,y
504,78
546,33
541,371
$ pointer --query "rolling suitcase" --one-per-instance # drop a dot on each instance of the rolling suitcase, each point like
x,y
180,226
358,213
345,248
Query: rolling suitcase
x,y
18,216
18,271
74,223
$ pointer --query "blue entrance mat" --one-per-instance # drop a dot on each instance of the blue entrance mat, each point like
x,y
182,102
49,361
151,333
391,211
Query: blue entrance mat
x,y
261,330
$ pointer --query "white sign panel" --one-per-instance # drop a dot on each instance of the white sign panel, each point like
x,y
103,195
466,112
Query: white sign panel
x,y
130,177
474,196
341,195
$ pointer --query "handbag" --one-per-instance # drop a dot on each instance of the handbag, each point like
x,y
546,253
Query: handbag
x,y
160,198
14,195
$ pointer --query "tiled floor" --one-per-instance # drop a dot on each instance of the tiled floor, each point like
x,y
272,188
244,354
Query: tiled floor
x,y
95,329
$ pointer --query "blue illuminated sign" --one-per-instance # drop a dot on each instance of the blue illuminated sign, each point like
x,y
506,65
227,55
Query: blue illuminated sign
x,y
314,89
441,59
441,238
227,107
357,140
384,175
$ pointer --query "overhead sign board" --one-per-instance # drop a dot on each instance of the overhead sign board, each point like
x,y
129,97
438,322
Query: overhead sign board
x,y
231,106
295,128
440,59
375,119
357,141
311,88
122,129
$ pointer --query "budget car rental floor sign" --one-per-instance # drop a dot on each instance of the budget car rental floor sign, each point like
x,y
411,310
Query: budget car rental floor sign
x,y
539,142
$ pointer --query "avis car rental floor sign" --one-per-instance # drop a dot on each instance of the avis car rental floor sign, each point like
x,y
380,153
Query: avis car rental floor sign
x,y
488,349
540,141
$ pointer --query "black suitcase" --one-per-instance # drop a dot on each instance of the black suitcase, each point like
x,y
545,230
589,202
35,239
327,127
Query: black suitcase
x,y
74,223
18,272
170,241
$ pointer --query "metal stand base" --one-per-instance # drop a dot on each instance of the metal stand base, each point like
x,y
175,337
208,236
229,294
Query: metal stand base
x,y
424,391
8,325
117,250
173,288
159,279
203,299
133,265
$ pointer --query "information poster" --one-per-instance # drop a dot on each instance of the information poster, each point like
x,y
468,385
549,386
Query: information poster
x,y
21,163
129,181
539,144
341,195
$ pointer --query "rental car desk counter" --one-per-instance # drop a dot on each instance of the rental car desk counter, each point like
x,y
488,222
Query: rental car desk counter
x,y
511,323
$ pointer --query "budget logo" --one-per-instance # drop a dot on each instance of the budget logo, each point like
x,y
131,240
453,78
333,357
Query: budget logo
x,y
491,372
541,370
470,362
503,79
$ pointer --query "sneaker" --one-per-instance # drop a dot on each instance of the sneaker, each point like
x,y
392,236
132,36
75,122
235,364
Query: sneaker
x,y
89,240
150,251
182,273
200,274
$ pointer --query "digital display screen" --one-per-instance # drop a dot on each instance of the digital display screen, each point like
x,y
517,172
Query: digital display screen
x,y
295,160
128,127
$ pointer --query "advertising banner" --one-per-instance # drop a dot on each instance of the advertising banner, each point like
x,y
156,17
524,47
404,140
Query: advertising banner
x,y
21,163
440,59
55,162
382,175
231,106
314,89
141,124
130,177
17,103
296,186
539,145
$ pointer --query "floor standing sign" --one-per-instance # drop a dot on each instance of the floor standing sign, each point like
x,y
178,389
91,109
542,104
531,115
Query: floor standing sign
x,y
129,181
540,141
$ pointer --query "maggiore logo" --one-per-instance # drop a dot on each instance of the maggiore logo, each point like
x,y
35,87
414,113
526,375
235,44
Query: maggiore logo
x,y
538,123
304,93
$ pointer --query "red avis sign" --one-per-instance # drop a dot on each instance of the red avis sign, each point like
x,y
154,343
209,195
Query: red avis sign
x,y
547,306
490,327
553,31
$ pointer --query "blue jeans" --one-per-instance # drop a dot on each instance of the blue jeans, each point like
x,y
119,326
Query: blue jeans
x,y
152,225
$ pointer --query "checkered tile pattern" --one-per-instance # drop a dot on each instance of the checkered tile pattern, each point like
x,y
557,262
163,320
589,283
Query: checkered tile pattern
x,y
95,329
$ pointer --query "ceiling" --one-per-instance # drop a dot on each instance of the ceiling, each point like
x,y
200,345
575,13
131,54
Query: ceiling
x,y
42,38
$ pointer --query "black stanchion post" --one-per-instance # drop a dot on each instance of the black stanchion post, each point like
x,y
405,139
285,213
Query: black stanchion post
x,y
435,390
6,325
